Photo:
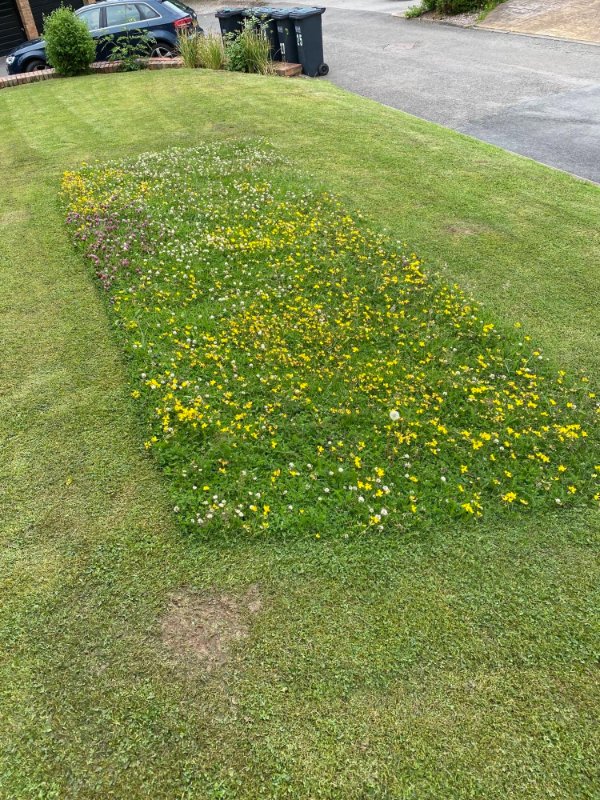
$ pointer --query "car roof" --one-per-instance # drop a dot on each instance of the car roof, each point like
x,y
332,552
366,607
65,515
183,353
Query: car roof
x,y
114,2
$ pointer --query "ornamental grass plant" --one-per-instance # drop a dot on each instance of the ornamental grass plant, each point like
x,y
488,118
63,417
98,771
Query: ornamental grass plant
x,y
188,45
202,50
211,52
248,51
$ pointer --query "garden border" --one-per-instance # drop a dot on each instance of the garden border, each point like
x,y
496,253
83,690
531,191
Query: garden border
x,y
106,67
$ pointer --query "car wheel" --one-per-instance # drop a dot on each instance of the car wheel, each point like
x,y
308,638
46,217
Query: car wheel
x,y
35,65
162,50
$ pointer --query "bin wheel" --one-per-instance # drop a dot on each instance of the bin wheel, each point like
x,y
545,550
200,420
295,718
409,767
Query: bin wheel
x,y
324,69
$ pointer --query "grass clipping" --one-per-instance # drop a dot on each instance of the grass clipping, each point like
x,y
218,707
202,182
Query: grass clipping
x,y
300,374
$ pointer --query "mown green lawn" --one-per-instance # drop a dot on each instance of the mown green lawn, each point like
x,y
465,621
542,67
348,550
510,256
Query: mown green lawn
x,y
452,663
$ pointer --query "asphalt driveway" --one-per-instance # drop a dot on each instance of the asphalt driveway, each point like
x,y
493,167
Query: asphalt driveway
x,y
534,96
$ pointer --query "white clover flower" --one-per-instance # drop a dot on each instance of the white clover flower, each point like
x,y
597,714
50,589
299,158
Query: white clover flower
x,y
394,415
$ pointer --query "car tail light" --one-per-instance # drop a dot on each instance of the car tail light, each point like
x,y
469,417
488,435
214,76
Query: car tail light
x,y
184,22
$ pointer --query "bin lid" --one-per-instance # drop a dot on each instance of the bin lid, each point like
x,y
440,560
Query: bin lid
x,y
229,12
283,13
302,13
259,11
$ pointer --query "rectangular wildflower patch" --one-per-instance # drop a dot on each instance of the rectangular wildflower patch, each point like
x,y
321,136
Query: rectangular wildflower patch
x,y
299,373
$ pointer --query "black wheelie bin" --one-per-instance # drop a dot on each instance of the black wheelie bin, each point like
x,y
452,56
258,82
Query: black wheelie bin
x,y
309,39
286,33
231,20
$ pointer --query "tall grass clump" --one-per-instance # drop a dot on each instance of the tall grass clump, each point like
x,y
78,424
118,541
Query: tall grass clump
x,y
188,45
212,52
199,50
250,50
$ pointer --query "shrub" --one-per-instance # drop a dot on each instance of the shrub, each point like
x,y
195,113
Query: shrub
x,y
131,49
451,6
250,50
70,48
416,11
198,50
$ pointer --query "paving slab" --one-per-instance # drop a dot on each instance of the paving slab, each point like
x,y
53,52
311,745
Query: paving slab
x,y
565,19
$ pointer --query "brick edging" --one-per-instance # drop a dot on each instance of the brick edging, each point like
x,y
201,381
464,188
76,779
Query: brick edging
x,y
27,77
97,68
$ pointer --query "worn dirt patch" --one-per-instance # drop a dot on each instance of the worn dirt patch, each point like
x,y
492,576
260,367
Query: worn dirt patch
x,y
204,627
462,229
13,217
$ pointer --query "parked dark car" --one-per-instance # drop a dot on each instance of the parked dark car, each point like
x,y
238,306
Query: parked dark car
x,y
108,21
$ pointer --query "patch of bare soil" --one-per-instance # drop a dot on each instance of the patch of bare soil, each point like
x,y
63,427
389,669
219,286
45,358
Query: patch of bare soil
x,y
204,627
12,217
462,229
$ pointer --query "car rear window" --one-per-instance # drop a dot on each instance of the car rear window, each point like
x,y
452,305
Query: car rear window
x,y
146,12
177,8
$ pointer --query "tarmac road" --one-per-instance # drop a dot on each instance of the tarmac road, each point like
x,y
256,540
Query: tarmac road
x,y
535,96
